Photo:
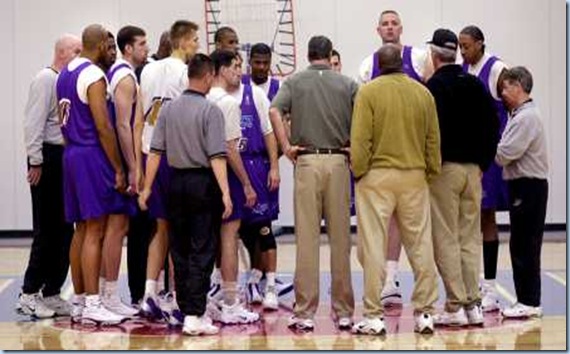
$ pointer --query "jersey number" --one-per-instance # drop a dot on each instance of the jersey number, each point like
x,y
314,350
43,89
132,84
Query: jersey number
x,y
63,110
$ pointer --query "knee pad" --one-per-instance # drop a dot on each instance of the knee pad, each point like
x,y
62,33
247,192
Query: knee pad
x,y
266,238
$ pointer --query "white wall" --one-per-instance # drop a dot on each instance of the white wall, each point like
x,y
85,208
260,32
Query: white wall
x,y
521,32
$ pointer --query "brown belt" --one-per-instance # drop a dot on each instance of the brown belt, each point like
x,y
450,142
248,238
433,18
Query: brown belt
x,y
314,151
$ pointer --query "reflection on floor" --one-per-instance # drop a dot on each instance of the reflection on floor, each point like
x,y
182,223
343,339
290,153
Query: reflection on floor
x,y
549,333
272,333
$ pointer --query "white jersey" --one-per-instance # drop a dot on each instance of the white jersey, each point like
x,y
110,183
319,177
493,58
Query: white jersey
x,y
162,79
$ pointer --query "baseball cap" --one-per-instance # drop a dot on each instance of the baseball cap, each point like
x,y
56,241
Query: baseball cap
x,y
444,38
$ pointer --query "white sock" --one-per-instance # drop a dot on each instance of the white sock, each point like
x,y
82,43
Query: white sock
x,y
270,279
78,299
488,283
102,285
229,291
92,300
255,276
216,277
110,288
391,271
150,288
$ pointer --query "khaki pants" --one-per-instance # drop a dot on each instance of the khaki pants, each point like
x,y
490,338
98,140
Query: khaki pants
x,y
456,229
322,188
379,194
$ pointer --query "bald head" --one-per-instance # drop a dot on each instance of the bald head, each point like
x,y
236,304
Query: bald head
x,y
93,36
390,59
66,48
66,41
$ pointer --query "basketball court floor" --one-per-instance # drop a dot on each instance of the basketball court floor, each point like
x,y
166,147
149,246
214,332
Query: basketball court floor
x,y
548,333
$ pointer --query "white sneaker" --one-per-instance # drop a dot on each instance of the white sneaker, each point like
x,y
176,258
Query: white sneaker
x,y
195,326
391,294
370,326
423,323
95,312
215,292
519,310
77,306
302,324
114,304
170,310
489,298
58,305
253,293
33,305
344,323
475,315
457,318
283,288
236,313
150,308
270,302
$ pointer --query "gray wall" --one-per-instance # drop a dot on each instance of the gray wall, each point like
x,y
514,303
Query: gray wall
x,y
521,32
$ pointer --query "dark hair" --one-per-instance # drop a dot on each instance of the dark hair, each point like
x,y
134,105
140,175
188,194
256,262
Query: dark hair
x,y
222,58
110,35
127,34
199,65
389,59
222,32
179,30
320,47
521,75
335,53
260,49
475,33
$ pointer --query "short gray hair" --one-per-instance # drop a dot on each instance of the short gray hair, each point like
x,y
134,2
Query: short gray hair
x,y
446,55
521,75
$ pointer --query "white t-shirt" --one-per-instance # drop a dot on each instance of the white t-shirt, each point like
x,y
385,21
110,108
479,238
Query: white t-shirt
x,y
496,70
165,78
87,77
266,85
231,110
419,62
262,105
119,75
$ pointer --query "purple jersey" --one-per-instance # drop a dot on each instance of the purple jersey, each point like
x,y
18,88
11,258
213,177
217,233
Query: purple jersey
x,y
112,112
131,208
273,86
495,190
407,65
77,123
256,162
89,178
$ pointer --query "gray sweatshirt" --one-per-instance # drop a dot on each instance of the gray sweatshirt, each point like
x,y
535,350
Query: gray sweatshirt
x,y
522,150
41,124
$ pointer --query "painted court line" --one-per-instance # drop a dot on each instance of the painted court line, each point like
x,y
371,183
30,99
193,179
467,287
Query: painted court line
x,y
6,284
556,277
505,293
